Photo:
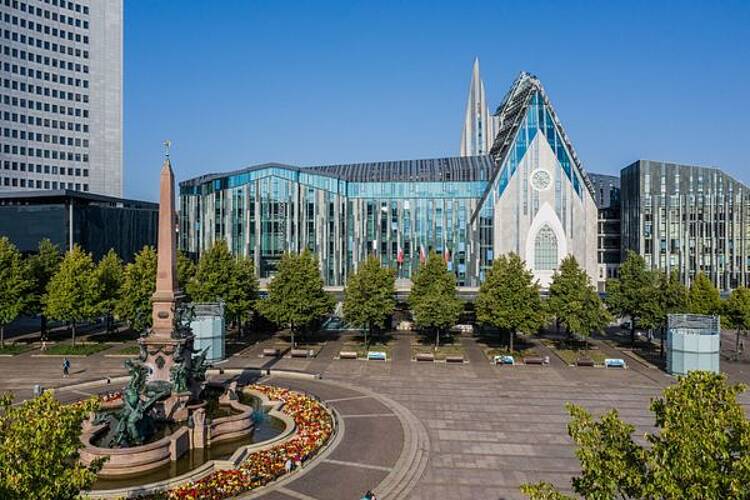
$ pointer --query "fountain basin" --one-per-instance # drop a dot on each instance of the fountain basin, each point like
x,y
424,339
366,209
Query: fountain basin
x,y
143,458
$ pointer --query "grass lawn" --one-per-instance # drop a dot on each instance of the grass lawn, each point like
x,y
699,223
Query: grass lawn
x,y
525,351
131,350
361,348
570,356
77,350
441,353
14,349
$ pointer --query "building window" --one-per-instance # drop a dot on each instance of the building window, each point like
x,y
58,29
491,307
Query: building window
x,y
545,249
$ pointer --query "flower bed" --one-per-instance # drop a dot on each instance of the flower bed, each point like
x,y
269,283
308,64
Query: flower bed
x,y
314,428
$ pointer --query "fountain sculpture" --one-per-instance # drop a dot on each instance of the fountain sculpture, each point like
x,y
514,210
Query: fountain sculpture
x,y
166,380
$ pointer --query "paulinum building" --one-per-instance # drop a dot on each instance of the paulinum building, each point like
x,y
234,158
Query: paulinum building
x,y
94,222
689,218
530,195
61,95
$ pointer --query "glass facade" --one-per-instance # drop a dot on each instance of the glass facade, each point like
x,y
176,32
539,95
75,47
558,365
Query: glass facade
x,y
688,218
398,211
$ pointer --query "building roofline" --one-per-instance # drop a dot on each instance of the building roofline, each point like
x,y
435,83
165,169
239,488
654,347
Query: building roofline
x,y
76,195
686,165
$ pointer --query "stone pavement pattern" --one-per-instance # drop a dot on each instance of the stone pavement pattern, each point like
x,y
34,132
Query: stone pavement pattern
x,y
488,429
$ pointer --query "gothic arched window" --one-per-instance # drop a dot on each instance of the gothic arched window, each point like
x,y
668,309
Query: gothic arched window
x,y
545,249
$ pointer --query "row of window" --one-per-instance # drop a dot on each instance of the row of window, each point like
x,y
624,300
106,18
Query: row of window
x,y
23,135
39,184
52,46
24,7
47,169
47,77
30,40
44,153
53,16
45,91
40,59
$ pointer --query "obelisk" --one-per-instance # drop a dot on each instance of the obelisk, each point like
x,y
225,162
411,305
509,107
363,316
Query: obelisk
x,y
165,352
164,299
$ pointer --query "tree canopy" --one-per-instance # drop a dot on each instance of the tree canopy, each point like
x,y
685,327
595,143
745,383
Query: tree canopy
x,y
625,293
296,298
701,449
433,299
109,272
369,297
185,272
219,276
43,265
574,301
509,298
736,313
39,443
74,292
16,284
703,297
138,285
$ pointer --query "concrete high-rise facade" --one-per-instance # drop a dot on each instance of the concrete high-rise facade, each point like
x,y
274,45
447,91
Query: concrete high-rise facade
x,y
61,95
479,125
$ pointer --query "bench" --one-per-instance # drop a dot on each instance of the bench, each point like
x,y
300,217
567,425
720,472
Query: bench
x,y
347,355
533,360
504,360
300,353
615,363
454,359
584,362
376,356
424,356
271,352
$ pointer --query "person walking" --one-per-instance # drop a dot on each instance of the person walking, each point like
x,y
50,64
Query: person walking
x,y
44,346
66,368
288,465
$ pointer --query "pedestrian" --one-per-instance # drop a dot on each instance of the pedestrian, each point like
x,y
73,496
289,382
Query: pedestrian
x,y
288,465
44,346
66,368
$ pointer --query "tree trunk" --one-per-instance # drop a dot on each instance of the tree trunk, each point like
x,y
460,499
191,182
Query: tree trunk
x,y
737,345
43,321
74,333
291,330
437,338
663,334
2,336
367,329
511,334
632,331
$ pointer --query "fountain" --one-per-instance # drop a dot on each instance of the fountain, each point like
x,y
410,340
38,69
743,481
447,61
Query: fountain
x,y
164,392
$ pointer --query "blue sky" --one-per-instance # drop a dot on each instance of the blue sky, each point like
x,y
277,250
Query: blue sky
x,y
235,83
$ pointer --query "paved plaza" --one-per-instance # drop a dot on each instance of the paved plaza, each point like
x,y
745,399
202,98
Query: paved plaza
x,y
418,430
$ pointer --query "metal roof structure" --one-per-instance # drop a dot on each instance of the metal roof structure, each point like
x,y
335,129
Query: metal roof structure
x,y
511,113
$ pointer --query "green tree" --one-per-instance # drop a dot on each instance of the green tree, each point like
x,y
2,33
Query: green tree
x,y
39,443
703,297
185,272
574,301
138,285
243,294
509,298
109,272
15,284
737,314
433,299
702,449
221,276
296,298
626,292
73,292
369,297
671,298
43,266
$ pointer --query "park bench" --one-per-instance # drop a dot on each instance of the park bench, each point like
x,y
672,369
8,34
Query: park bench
x,y
504,360
424,356
300,353
272,351
454,359
347,355
584,362
376,356
533,360
615,363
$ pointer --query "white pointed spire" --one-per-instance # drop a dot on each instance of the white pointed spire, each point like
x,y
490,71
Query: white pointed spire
x,y
479,125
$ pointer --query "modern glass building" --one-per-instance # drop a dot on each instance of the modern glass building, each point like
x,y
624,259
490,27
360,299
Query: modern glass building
x,y
693,219
609,239
530,195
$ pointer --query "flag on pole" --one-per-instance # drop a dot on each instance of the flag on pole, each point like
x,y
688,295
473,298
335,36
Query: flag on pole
x,y
446,255
400,255
422,254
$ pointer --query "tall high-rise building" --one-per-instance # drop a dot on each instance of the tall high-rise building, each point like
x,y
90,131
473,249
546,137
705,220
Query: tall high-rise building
x,y
61,95
479,125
